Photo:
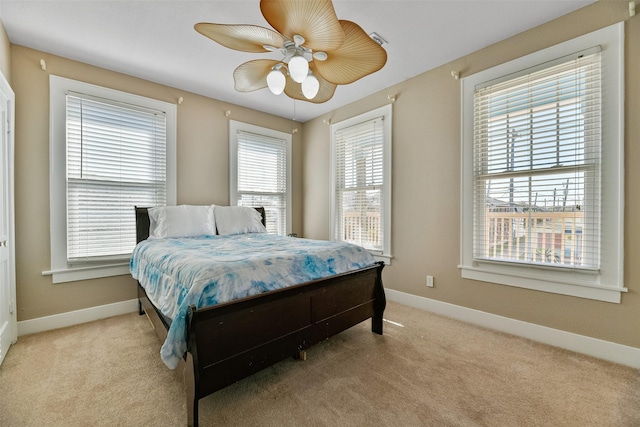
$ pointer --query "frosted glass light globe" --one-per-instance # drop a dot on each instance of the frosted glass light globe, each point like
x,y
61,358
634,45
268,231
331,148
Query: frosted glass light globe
x,y
298,68
276,81
310,86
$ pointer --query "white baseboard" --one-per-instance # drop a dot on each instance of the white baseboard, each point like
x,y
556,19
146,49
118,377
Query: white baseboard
x,y
617,353
71,318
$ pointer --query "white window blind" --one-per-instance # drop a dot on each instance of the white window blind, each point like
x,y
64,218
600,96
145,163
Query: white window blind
x,y
536,166
262,177
359,180
116,159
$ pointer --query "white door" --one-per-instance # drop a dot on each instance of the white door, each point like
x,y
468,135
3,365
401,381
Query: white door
x,y
8,329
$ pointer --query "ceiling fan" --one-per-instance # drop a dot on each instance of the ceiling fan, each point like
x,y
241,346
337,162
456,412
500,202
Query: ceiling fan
x,y
319,51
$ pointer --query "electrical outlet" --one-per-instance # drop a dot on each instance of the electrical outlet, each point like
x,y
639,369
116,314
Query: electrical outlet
x,y
430,281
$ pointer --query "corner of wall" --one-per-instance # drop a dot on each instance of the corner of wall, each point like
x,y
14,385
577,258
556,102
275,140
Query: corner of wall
x,y
5,53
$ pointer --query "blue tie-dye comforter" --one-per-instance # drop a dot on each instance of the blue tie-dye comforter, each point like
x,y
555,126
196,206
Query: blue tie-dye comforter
x,y
205,271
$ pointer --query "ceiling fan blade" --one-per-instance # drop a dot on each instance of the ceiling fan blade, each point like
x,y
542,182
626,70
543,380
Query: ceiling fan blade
x,y
293,90
252,75
357,57
315,20
246,38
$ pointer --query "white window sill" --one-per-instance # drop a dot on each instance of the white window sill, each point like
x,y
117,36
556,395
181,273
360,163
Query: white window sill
x,y
384,258
75,274
544,283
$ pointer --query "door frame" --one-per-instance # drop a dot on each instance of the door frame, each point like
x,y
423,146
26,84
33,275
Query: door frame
x,y
9,95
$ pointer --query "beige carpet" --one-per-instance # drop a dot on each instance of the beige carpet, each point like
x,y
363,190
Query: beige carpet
x,y
425,371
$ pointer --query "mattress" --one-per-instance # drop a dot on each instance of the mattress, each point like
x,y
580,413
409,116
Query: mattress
x,y
205,271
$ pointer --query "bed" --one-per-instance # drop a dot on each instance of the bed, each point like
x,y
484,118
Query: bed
x,y
231,340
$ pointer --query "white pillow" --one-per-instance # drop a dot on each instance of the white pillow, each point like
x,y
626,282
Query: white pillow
x,y
238,219
181,221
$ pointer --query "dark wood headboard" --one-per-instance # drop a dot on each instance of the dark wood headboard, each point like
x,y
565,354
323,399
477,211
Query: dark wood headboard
x,y
142,222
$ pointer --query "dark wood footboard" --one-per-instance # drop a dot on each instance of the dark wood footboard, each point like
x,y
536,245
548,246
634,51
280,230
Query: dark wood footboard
x,y
232,341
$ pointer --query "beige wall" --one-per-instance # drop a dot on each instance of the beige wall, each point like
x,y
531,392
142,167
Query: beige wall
x,y
5,54
426,186
203,171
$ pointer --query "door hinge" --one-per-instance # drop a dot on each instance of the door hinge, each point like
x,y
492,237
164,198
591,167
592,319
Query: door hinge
x,y
12,305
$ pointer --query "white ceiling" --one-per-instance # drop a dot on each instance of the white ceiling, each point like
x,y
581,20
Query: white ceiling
x,y
155,39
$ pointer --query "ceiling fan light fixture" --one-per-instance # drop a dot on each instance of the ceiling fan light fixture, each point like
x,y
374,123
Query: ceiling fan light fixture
x,y
276,81
313,42
310,86
298,68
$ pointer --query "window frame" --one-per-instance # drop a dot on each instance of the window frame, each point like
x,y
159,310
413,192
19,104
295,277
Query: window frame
x,y
386,112
62,270
234,128
607,283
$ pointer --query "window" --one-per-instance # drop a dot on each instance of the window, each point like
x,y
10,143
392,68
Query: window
x,y
361,181
542,170
260,172
110,151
